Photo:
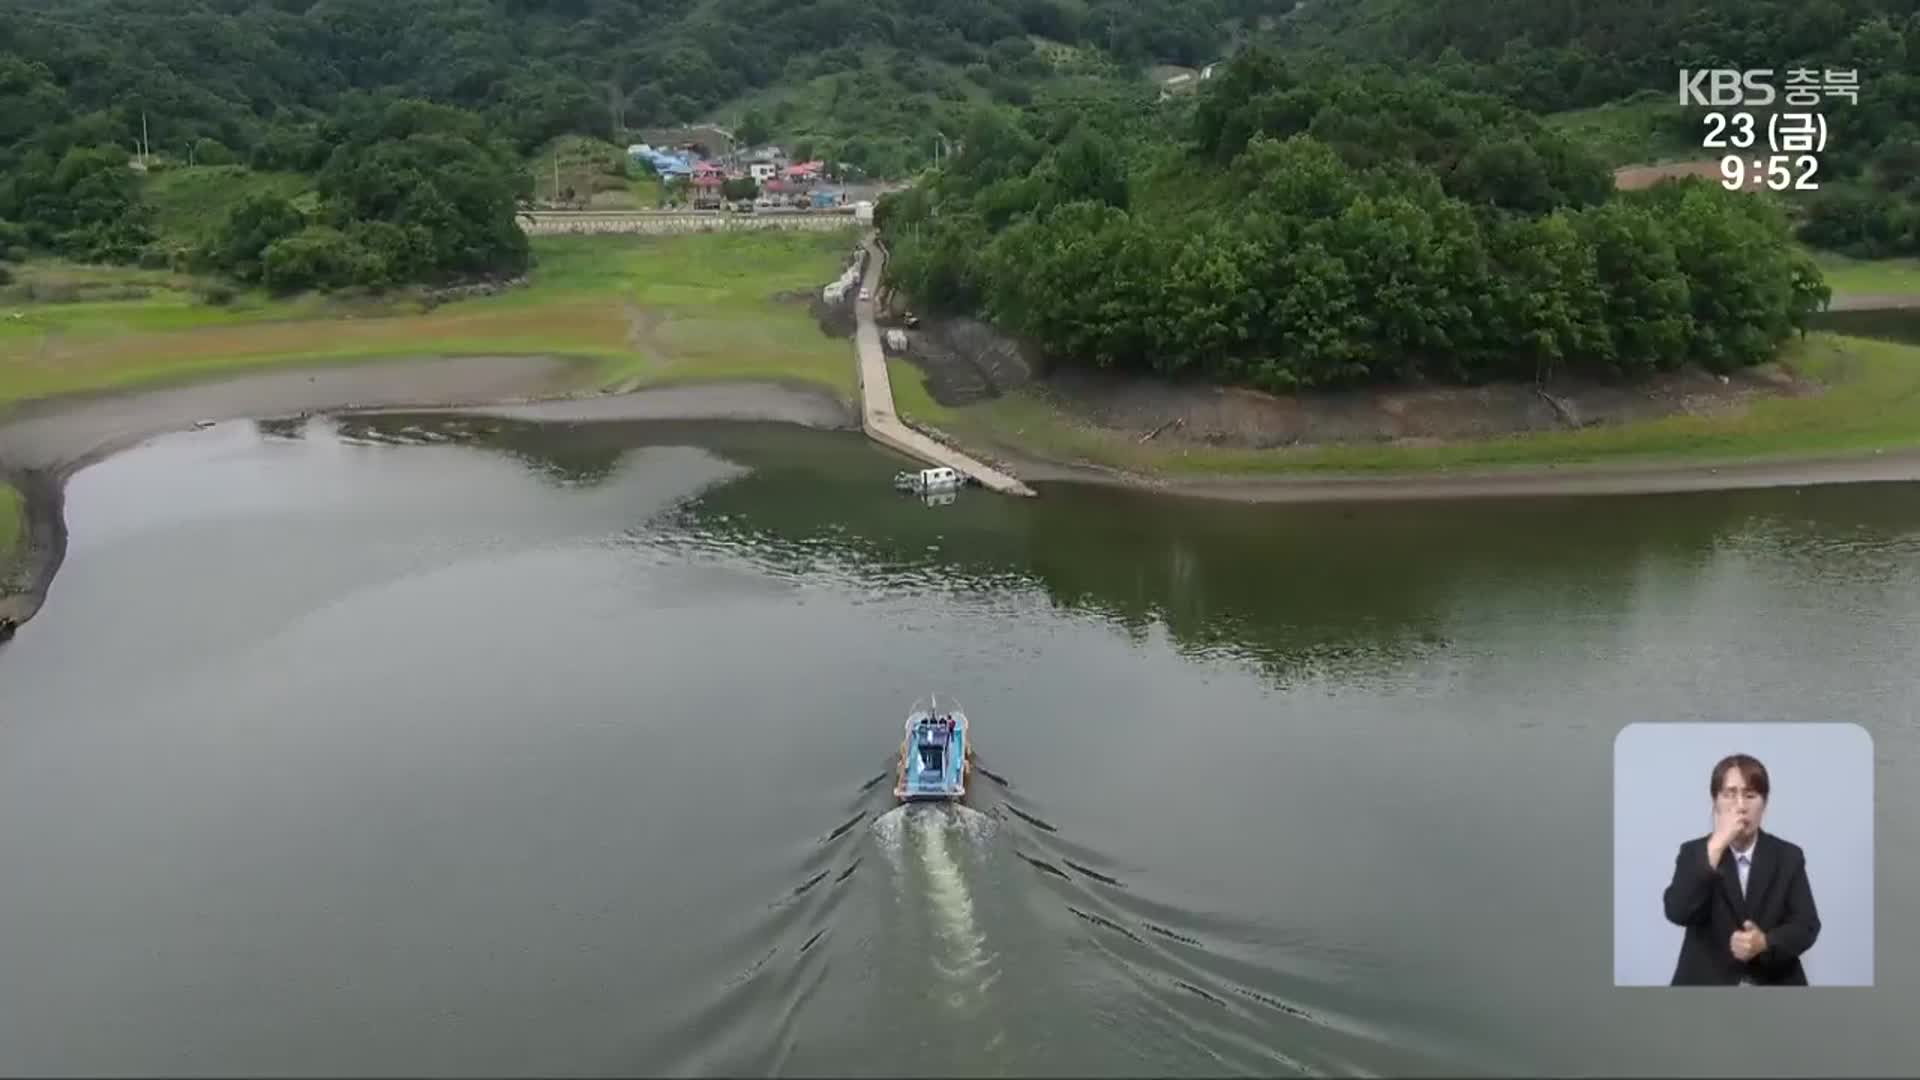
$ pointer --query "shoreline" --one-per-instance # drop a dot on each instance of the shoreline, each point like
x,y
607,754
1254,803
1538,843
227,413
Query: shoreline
x,y
45,441
1442,483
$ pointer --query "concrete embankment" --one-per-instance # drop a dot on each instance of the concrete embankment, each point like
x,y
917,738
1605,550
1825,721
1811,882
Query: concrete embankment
x,y
878,417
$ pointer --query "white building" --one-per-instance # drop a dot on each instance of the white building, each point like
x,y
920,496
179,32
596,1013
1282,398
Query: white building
x,y
863,212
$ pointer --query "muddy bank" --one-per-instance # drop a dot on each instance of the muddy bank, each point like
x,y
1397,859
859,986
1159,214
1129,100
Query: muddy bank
x,y
805,404
29,567
1874,302
1519,481
63,433
44,442
965,360
1205,414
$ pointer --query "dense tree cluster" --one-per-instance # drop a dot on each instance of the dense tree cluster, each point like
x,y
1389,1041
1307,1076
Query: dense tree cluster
x,y
409,191
1336,230
285,87
236,71
1549,55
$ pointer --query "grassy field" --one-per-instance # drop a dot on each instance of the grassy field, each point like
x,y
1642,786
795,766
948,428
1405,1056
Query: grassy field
x,y
1871,401
1631,132
595,170
190,204
10,521
643,309
1877,276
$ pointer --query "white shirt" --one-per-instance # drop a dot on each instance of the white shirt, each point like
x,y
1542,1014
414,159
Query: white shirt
x,y
1743,861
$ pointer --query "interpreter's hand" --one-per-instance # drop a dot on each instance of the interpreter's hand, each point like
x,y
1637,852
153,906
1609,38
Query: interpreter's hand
x,y
1748,942
1726,821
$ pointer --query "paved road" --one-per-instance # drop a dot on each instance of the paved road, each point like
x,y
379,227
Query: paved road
x,y
877,414
551,222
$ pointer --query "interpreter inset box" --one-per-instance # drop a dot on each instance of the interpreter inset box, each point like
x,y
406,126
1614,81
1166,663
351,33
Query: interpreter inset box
x,y
1743,855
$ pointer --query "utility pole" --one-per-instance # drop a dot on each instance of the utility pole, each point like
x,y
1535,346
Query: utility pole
x,y
145,146
556,173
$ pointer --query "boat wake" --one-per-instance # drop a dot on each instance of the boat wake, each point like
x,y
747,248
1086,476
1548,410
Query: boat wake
x,y
925,845
1250,995
975,934
777,963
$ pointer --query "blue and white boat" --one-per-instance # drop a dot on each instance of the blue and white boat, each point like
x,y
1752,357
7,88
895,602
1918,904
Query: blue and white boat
x,y
936,754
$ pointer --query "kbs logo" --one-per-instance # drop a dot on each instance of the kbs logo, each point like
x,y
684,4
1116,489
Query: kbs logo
x,y
1726,86
1723,87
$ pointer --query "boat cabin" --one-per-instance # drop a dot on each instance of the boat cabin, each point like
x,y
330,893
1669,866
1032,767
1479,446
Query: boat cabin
x,y
935,736
929,480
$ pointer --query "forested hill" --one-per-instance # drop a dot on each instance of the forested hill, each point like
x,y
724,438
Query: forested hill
x,y
1316,228
412,119
1564,54
1552,55
230,70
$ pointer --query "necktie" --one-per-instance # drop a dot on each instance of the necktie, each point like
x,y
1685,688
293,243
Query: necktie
x,y
1745,867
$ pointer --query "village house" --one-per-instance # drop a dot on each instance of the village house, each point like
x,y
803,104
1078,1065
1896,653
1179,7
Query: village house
x,y
794,185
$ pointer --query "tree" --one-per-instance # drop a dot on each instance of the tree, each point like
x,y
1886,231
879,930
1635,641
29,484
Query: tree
x,y
434,175
1086,167
1366,228
753,129
249,230
317,257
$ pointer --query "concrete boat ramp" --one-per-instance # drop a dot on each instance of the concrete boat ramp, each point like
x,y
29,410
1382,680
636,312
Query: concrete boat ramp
x,y
877,415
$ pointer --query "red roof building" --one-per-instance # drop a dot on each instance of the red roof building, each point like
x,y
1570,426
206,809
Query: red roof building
x,y
805,173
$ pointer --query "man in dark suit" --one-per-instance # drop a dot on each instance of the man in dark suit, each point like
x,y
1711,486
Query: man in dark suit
x,y
1741,894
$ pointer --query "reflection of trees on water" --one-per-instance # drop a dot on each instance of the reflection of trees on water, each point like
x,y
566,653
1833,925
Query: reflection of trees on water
x,y
285,427
1344,590
1304,591
543,448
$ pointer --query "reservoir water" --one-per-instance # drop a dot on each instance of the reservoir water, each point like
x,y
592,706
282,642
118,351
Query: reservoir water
x,y
438,745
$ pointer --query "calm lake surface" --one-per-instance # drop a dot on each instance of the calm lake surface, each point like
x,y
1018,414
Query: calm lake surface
x,y
440,745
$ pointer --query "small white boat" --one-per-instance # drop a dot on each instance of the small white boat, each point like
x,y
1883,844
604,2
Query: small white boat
x,y
929,481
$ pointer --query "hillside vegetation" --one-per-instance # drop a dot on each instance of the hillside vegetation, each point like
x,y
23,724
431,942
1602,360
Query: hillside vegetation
x,y
250,77
358,142
364,143
1313,228
1556,55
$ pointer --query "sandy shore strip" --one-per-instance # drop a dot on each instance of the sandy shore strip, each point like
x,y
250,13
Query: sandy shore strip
x,y
44,442
1518,481
1874,302
61,434
805,404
